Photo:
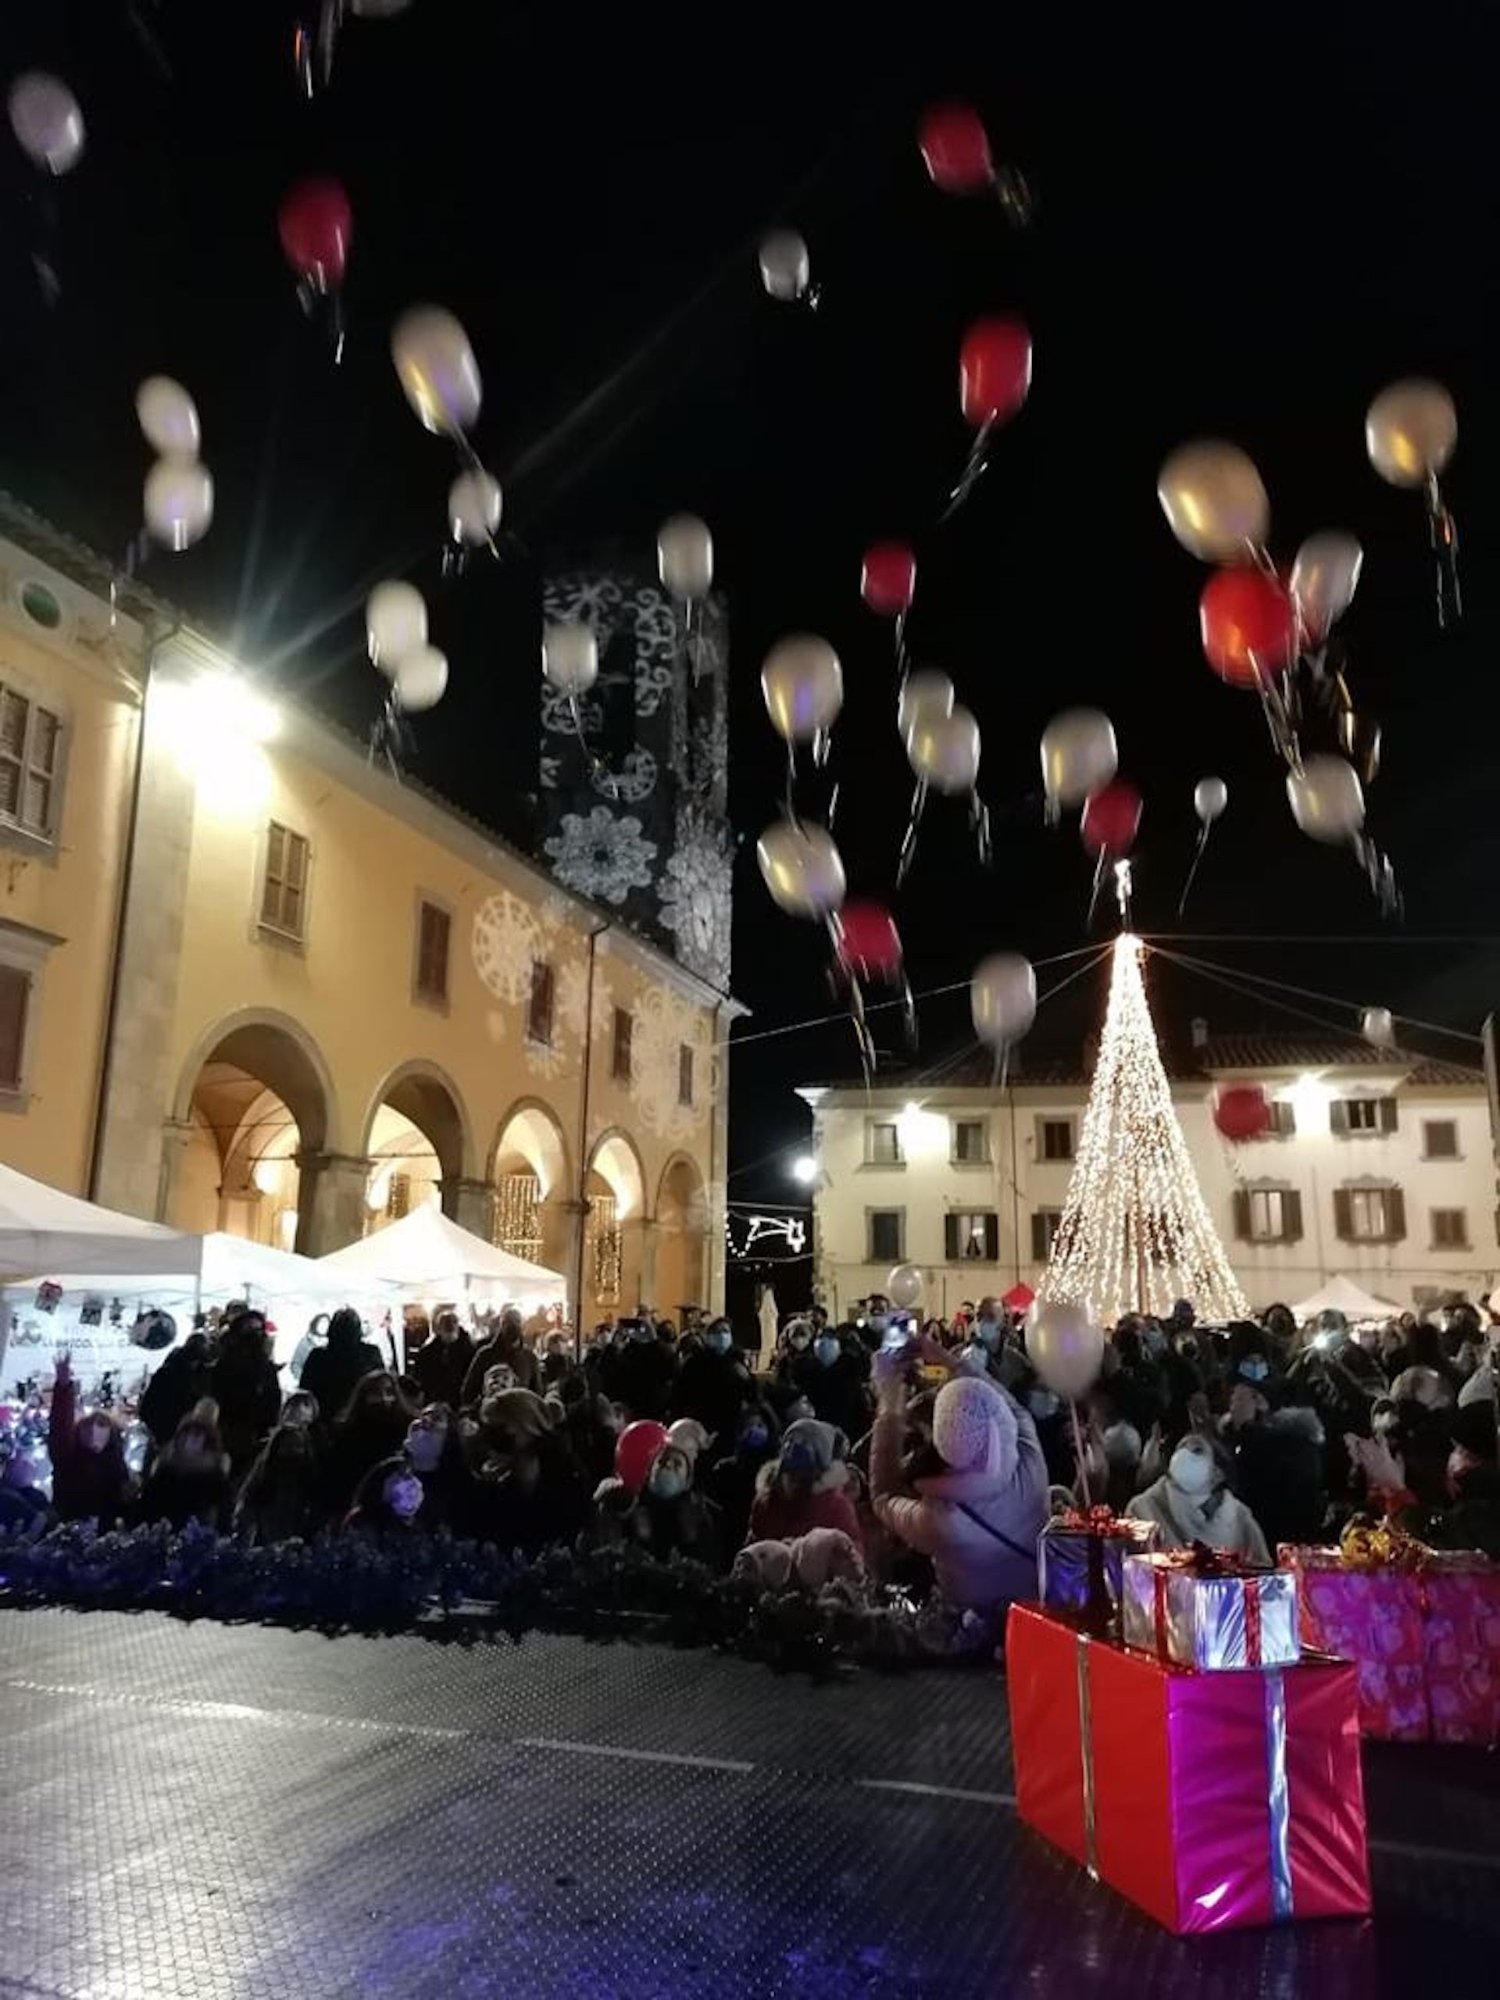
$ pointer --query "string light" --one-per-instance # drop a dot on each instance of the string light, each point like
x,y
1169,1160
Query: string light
x,y
1136,1234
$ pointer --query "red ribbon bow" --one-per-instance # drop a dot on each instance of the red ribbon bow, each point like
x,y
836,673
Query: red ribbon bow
x,y
1098,1520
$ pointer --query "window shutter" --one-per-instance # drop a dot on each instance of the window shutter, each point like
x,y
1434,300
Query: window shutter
x,y
1038,1237
1291,1216
1395,1215
1242,1214
1338,1115
950,1237
992,1239
1388,1114
15,998
1343,1215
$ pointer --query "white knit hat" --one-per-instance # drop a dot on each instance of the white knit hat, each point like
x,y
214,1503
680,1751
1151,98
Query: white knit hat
x,y
973,1427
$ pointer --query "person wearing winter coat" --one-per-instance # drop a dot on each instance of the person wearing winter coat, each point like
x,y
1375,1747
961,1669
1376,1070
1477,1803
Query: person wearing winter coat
x,y
731,1480
643,1373
1277,1457
507,1345
714,1384
1191,1503
390,1501
528,1493
435,1455
814,1562
190,1481
978,1518
245,1387
371,1426
90,1479
804,1487
666,1518
181,1380
332,1371
281,1500
441,1365
833,1381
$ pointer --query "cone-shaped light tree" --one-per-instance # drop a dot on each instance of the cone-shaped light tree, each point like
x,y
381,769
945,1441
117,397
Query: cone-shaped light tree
x,y
1136,1234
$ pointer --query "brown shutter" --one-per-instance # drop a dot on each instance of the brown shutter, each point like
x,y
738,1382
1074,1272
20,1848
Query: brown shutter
x,y
1242,1214
1338,1115
1343,1218
1291,1216
1388,1114
1038,1237
1395,1215
1286,1118
992,1239
950,1238
15,998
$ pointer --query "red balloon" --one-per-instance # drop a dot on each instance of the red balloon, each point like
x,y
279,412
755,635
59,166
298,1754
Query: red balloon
x,y
956,149
316,224
1248,621
889,578
1111,818
635,1448
1242,1112
869,943
994,370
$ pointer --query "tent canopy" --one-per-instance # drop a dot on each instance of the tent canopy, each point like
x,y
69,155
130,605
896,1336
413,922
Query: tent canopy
x,y
1341,1294
426,1252
44,1231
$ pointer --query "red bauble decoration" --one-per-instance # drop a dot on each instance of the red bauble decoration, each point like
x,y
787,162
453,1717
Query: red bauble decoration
x,y
956,149
1242,1112
994,370
888,579
1249,621
868,942
635,1448
316,224
1111,819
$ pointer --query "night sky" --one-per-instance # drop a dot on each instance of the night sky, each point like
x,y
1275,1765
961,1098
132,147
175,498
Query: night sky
x,y
1246,224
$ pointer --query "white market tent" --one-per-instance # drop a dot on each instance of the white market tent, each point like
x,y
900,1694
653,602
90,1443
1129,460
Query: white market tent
x,y
43,1231
427,1255
1341,1294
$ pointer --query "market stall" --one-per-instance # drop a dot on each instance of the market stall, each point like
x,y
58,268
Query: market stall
x,y
1341,1294
427,1257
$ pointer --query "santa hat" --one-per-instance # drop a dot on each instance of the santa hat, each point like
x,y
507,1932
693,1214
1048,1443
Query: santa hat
x,y
974,1427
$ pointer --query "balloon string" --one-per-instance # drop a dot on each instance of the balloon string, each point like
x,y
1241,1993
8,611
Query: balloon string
x,y
1192,873
978,460
1278,721
979,819
1083,1460
1442,532
598,770
1010,188
903,666
909,842
1099,867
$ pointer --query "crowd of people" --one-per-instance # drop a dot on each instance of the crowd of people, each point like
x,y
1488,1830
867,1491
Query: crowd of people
x,y
876,1450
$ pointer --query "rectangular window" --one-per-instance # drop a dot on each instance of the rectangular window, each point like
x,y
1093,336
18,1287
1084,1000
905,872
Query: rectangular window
x,y
1045,1223
1363,1114
624,1033
434,928
684,1074
30,739
539,1008
970,1142
1283,1118
283,895
1439,1139
887,1233
1268,1215
1359,1116
1055,1138
15,1006
1450,1229
882,1143
1267,1223
971,1236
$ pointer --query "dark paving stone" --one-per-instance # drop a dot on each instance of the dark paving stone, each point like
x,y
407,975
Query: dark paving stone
x,y
205,1813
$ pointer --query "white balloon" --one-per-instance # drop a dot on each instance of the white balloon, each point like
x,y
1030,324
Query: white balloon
x,y
803,685
685,557
570,657
802,867
474,504
1410,431
1378,1027
1064,1347
1210,796
436,368
1079,755
926,693
395,624
1325,577
944,751
1002,998
168,417
47,121
1327,801
905,1286
179,501
421,679
785,270
1214,500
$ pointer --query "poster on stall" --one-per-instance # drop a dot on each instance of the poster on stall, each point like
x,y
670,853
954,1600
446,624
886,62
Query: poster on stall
x,y
37,1321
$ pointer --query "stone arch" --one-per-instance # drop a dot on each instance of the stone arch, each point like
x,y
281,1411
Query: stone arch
x,y
682,1225
531,1132
428,1098
534,1190
616,1262
616,1160
281,1055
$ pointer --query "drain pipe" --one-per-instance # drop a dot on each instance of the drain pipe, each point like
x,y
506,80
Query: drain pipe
x,y
580,1255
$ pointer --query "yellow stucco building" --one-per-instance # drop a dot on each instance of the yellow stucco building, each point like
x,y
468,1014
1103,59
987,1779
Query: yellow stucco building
x,y
249,980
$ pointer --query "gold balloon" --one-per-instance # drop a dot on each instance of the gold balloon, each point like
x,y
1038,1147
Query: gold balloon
x,y
1410,431
1214,500
803,684
802,868
944,750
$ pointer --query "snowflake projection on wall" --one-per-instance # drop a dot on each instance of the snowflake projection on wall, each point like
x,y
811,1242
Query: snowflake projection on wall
x,y
508,937
602,855
633,779
665,1024
571,1009
658,646
591,599
695,898
557,713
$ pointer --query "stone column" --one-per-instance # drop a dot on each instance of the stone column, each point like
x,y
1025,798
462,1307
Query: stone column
x,y
566,1222
176,1136
642,1233
471,1204
330,1201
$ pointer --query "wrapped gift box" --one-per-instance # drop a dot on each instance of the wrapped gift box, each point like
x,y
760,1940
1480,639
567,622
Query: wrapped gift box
x,y
1209,1611
1212,1801
1425,1640
1080,1560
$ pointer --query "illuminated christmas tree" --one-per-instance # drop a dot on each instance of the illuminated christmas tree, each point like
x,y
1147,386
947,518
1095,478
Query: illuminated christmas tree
x,y
1136,1234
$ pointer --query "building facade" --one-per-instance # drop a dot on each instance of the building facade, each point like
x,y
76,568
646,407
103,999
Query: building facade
x,y
250,981
1378,1165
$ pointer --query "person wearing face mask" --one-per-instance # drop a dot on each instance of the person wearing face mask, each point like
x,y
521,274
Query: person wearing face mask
x,y
714,1384
667,1518
528,1492
1191,1503
181,1381
644,1374
280,1500
371,1427
433,1452
806,1486
730,1480
877,1321
441,1365
794,1350
1277,1459
90,1480
506,1344
245,1386
390,1501
332,1370
190,1481
834,1382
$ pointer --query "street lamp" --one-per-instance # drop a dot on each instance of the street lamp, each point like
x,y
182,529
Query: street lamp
x,y
805,1169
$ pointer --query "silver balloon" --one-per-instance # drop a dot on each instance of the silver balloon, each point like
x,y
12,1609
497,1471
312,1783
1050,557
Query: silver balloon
x,y
905,1286
46,119
1064,1347
1410,431
1210,796
803,684
1002,998
437,369
474,507
395,624
1326,799
570,658
802,868
168,417
1079,755
785,270
685,557
1214,501
927,694
421,679
944,751
1325,577
1378,1027
179,502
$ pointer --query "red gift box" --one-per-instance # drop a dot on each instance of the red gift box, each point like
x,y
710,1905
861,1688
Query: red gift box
x,y
1213,1801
